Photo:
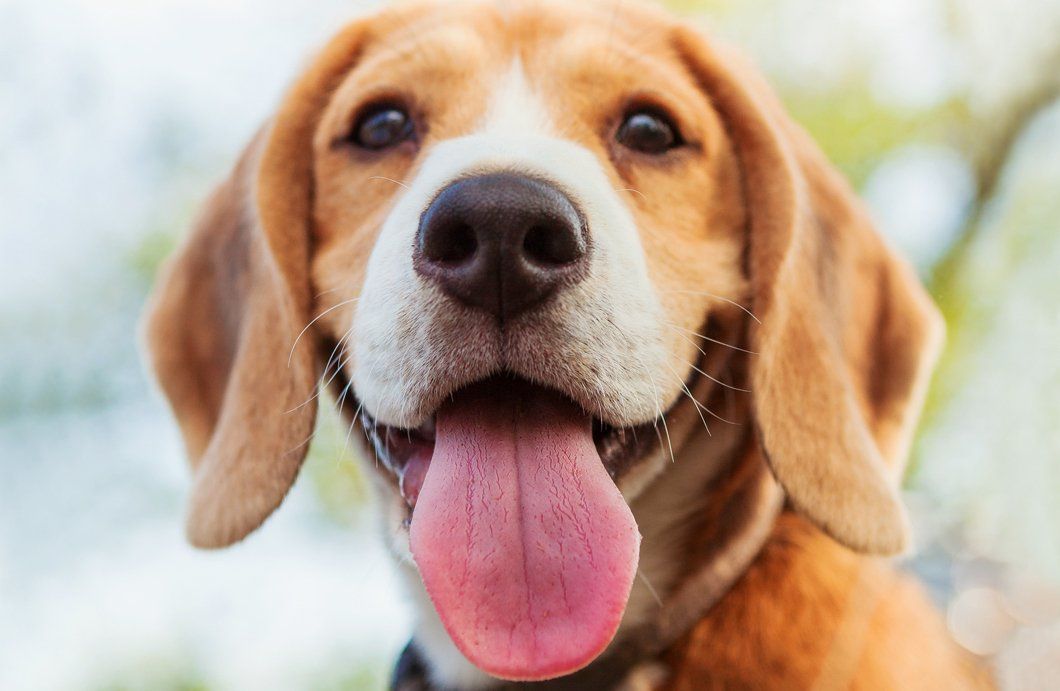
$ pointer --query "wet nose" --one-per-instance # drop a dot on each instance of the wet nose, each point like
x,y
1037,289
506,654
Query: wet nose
x,y
501,242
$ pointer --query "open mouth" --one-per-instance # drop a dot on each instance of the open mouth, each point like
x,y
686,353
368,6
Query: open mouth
x,y
406,453
523,541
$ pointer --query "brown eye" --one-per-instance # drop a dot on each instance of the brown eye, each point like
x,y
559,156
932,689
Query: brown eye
x,y
382,127
648,132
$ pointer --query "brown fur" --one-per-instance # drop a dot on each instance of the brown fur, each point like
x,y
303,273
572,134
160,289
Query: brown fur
x,y
810,614
844,337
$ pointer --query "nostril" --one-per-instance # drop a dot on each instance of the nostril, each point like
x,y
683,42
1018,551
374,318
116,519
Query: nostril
x,y
501,242
551,246
455,244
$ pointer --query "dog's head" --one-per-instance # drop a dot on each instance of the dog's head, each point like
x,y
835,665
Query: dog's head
x,y
521,237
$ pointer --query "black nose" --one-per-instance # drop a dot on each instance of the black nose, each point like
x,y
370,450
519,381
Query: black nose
x,y
501,242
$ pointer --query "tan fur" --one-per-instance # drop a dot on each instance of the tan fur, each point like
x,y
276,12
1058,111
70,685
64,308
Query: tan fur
x,y
846,337
810,614
843,335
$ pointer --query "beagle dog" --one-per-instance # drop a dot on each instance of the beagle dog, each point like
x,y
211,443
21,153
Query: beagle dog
x,y
636,377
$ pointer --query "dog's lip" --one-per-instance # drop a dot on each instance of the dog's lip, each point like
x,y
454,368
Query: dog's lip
x,y
405,452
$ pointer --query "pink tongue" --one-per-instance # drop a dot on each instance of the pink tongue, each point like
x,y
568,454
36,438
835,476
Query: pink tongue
x,y
524,543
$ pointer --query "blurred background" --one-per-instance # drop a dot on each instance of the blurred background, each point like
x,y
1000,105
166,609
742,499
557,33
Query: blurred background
x,y
116,116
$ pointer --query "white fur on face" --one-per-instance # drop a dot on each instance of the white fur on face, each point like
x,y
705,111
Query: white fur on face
x,y
413,345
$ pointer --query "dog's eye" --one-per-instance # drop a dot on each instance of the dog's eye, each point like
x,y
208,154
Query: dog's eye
x,y
382,127
648,132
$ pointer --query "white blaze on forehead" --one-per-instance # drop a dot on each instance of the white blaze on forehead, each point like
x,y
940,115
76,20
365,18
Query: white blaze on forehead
x,y
515,108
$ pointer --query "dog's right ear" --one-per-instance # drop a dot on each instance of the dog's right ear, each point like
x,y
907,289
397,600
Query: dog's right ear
x,y
227,329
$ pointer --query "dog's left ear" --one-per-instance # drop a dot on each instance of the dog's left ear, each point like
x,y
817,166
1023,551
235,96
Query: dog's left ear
x,y
226,329
847,336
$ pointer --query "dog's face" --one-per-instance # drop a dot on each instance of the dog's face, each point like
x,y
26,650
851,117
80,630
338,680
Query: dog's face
x,y
524,243
600,171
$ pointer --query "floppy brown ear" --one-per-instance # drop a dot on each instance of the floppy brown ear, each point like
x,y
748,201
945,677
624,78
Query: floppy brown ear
x,y
847,336
224,327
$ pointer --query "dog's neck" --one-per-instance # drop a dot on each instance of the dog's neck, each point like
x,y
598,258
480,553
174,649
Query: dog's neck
x,y
704,514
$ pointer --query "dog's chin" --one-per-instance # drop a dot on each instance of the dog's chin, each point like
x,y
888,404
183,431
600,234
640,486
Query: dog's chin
x,y
405,453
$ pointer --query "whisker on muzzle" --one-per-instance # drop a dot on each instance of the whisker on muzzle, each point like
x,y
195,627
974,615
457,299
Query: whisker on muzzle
x,y
731,387
353,423
630,189
704,293
321,383
651,589
314,321
688,392
708,338
383,177
661,416
707,410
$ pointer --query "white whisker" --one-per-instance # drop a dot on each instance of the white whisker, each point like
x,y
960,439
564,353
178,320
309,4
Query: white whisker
x,y
708,338
662,417
692,398
716,381
630,189
321,384
748,312
314,321
383,177
650,587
